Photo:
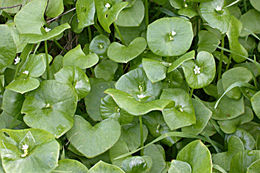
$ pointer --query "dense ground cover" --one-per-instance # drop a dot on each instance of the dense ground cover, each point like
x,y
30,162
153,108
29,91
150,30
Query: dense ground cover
x,y
134,86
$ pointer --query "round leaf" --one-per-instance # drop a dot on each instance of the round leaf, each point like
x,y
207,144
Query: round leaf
x,y
23,84
55,8
198,156
255,100
169,36
179,166
255,4
51,107
105,167
123,54
99,44
71,166
85,12
29,150
137,164
96,139
201,72
106,69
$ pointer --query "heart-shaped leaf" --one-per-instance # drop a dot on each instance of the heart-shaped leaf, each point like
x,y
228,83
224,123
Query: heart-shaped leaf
x,y
93,99
105,167
179,166
132,16
23,84
123,54
237,74
201,72
223,159
7,47
255,100
76,57
12,102
36,38
238,52
208,41
180,114
51,107
137,164
216,15
133,106
26,23
109,109
106,69
136,83
108,11
99,44
203,115
169,36
54,8
72,166
85,12
230,126
96,139
196,153
28,150
76,77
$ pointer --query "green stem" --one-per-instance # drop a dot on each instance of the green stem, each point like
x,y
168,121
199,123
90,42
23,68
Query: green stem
x,y
245,5
98,28
47,60
229,62
146,12
191,92
141,134
119,34
89,34
221,58
58,44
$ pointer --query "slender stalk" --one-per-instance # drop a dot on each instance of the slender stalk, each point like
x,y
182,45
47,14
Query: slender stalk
x,y
119,34
141,134
47,60
98,28
191,92
245,5
58,44
229,62
89,34
2,8
221,57
146,12
51,20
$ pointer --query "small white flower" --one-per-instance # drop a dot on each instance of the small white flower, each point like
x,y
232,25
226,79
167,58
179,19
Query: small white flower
x,y
25,150
118,110
181,109
17,60
185,5
107,5
26,72
141,96
25,147
218,8
47,29
196,70
171,35
47,105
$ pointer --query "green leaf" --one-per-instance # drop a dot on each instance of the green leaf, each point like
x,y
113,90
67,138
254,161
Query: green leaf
x,y
93,99
137,164
223,159
186,57
12,102
233,33
51,107
179,167
36,38
85,12
216,15
96,139
156,152
208,41
203,115
132,16
40,156
180,114
23,84
169,36
109,109
133,106
99,44
196,153
255,4
136,83
201,72
69,165
154,69
26,23
247,139
237,74
230,126
7,47
123,54
249,23
55,8
76,57
105,167
254,167
255,100
108,11
75,77
106,69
